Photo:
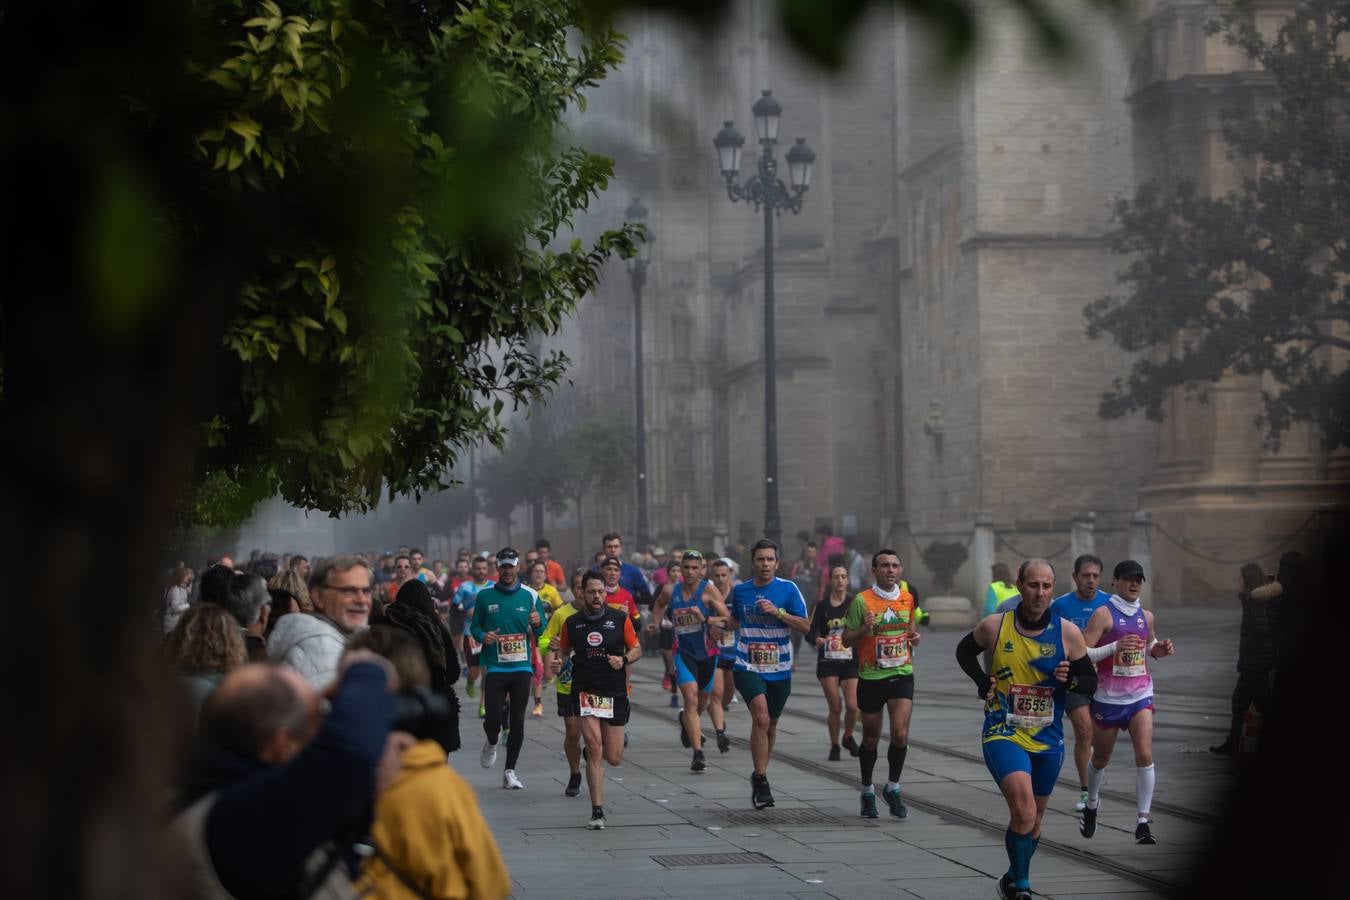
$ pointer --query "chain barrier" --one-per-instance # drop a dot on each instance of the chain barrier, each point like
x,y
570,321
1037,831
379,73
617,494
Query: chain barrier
x,y
1022,555
1236,562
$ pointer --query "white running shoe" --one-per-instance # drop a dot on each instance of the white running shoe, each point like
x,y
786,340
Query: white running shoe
x,y
489,755
510,781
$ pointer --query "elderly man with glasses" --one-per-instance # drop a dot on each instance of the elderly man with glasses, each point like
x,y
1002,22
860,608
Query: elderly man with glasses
x,y
340,588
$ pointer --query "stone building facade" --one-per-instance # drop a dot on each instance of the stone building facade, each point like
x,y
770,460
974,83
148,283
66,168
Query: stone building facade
x,y
932,360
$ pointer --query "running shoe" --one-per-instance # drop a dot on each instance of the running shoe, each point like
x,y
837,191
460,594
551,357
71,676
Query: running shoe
x,y
573,785
892,798
1087,822
472,689
538,708
597,822
489,754
868,802
684,737
760,795
625,739
665,682
674,701
834,753
734,699
1143,835
1082,801
1224,749
723,742
482,711
510,781
699,763
1003,888
850,745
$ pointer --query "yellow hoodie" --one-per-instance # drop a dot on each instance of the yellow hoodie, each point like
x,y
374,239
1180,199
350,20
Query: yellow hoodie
x,y
427,823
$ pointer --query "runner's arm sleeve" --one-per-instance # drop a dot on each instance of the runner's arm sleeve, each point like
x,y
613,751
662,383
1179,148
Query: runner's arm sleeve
x,y
1105,651
968,656
1082,676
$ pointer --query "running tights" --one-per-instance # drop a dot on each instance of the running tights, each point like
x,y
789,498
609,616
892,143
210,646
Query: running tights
x,y
498,687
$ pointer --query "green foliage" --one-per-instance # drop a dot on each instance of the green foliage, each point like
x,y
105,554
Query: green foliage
x,y
406,156
599,459
1254,282
944,559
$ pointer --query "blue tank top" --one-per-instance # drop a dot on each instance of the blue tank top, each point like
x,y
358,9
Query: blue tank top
x,y
691,632
1028,704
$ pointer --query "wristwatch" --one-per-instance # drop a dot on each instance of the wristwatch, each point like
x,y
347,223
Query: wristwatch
x,y
781,612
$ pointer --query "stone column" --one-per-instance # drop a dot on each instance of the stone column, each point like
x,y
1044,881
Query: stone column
x,y
981,556
1081,534
1140,525
720,538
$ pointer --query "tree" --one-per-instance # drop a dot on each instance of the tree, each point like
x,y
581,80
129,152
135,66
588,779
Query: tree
x,y
522,474
598,459
1254,282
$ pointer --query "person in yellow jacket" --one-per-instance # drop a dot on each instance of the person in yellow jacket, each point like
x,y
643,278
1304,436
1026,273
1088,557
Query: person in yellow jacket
x,y
430,838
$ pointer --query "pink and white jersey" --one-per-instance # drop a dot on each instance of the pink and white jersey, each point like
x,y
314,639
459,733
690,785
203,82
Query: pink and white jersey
x,y
1122,677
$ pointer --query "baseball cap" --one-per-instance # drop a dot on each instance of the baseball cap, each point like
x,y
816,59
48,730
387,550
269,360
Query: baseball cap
x,y
507,556
611,561
1128,568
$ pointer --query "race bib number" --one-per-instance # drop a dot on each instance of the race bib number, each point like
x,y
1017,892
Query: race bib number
x,y
512,648
1030,705
687,620
596,707
762,657
728,638
892,651
1128,663
834,646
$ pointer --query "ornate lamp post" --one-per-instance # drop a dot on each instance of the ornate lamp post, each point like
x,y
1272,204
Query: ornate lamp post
x,y
637,270
768,193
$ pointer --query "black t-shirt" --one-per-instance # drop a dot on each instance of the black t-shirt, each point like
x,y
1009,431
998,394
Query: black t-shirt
x,y
592,643
825,619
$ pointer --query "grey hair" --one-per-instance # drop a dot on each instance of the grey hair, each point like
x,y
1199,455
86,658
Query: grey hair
x,y
245,596
319,572
1028,563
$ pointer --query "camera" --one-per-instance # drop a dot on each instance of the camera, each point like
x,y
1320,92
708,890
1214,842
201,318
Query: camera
x,y
422,713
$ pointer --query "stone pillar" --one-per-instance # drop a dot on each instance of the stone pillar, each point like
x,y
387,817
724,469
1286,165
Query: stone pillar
x,y
720,538
1081,534
981,555
1140,525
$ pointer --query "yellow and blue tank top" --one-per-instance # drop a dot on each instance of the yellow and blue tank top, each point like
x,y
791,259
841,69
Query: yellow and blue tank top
x,y
1028,704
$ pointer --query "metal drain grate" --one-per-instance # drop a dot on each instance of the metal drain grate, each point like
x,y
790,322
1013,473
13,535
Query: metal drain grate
x,y
680,860
777,817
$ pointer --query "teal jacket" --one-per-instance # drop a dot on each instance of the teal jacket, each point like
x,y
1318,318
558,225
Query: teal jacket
x,y
508,614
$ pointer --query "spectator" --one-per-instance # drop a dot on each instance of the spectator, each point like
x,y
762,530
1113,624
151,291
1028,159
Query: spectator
x,y
290,581
1258,652
414,612
246,599
340,589
429,836
270,795
176,597
283,604
214,583
1000,588
299,565
204,646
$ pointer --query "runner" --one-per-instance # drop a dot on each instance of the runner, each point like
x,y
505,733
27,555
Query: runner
x,y
1078,606
605,645
549,594
1035,653
764,612
567,704
694,604
666,637
880,624
1121,636
836,665
724,690
462,606
507,618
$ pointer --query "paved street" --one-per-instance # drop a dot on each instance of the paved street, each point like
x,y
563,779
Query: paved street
x,y
813,844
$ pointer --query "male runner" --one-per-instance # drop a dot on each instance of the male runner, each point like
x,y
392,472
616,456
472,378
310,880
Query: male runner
x,y
1120,635
567,705
463,606
1035,653
605,644
617,595
724,689
764,612
630,576
1078,606
506,619
694,604
881,624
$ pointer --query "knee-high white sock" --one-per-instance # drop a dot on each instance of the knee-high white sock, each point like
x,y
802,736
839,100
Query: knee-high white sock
x,y
1144,779
1095,778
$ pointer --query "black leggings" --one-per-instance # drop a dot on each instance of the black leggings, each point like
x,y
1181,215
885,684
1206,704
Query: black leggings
x,y
497,688
1253,688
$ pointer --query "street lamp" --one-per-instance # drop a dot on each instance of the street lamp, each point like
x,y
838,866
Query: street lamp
x,y
768,193
637,270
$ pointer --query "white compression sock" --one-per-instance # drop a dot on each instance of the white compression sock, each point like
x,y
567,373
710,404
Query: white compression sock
x,y
1095,778
1144,779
